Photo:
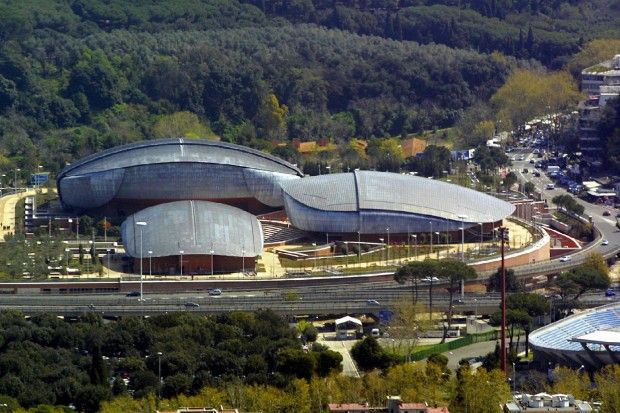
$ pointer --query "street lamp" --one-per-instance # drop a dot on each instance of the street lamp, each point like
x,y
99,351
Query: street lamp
x,y
388,246
150,264
431,233
514,378
108,252
359,250
211,252
141,224
181,252
243,261
481,240
462,217
382,243
159,353
15,179
415,245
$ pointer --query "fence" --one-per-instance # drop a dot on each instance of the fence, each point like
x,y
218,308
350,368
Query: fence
x,y
454,344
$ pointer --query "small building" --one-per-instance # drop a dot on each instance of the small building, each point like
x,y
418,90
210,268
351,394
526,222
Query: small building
x,y
348,327
544,402
394,404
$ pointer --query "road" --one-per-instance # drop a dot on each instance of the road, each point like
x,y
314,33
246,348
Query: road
x,y
309,301
606,225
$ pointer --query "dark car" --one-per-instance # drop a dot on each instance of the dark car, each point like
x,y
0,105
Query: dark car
x,y
610,292
191,304
133,294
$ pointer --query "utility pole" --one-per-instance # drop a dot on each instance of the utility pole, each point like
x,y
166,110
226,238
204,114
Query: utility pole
x,y
503,303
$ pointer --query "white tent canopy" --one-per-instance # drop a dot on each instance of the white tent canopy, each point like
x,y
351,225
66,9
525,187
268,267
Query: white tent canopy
x,y
347,320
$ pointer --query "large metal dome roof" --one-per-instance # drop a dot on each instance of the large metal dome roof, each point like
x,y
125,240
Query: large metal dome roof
x,y
178,150
384,191
194,227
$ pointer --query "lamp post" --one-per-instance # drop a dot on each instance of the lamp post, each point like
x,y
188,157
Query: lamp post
x,y
462,217
159,373
359,250
481,240
387,261
15,179
108,252
514,378
415,245
382,243
243,261
212,252
431,233
438,241
181,252
141,224
150,264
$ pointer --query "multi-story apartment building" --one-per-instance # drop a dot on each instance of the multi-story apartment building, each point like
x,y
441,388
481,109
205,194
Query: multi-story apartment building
x,y
601,83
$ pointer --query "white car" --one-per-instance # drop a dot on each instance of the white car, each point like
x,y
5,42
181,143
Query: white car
x,y
430,279
605,242
565,258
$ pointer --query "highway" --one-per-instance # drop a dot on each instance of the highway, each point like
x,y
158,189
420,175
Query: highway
x,y
307,300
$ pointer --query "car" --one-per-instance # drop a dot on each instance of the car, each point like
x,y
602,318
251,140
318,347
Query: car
x,y
133,294
372,302
610,292
565,258
606,213
191,304
604,242
550,186
532,161
430,279
537,174
215,291
525,170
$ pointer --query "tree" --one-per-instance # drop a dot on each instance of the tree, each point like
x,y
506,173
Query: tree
x,y
606,392
407,324
295,362
510,179
456,272
535,305
433,161
271,118
529,187
182,125
528,94
328,361
369,355
513,284
386,154
594,52
414,272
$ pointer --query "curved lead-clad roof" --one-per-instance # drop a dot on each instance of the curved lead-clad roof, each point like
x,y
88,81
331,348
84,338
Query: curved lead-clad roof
x,y
178,150
194,227
384,191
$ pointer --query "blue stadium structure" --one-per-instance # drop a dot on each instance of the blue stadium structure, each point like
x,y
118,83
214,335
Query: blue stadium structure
x,y
128,177
590,338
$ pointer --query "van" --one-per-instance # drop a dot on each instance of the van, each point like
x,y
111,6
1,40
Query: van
x,y
550,186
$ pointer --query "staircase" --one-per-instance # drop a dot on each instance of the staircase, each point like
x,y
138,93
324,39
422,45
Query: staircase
x,y
279,234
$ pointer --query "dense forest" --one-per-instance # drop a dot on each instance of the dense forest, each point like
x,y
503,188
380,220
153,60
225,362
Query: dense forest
x,y
79,76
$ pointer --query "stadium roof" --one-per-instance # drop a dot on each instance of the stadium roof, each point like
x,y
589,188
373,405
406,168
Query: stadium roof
x,y
369,190
604,337
178,150
194,227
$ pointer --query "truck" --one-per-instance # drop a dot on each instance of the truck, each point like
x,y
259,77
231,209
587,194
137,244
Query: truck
x,y
553,168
